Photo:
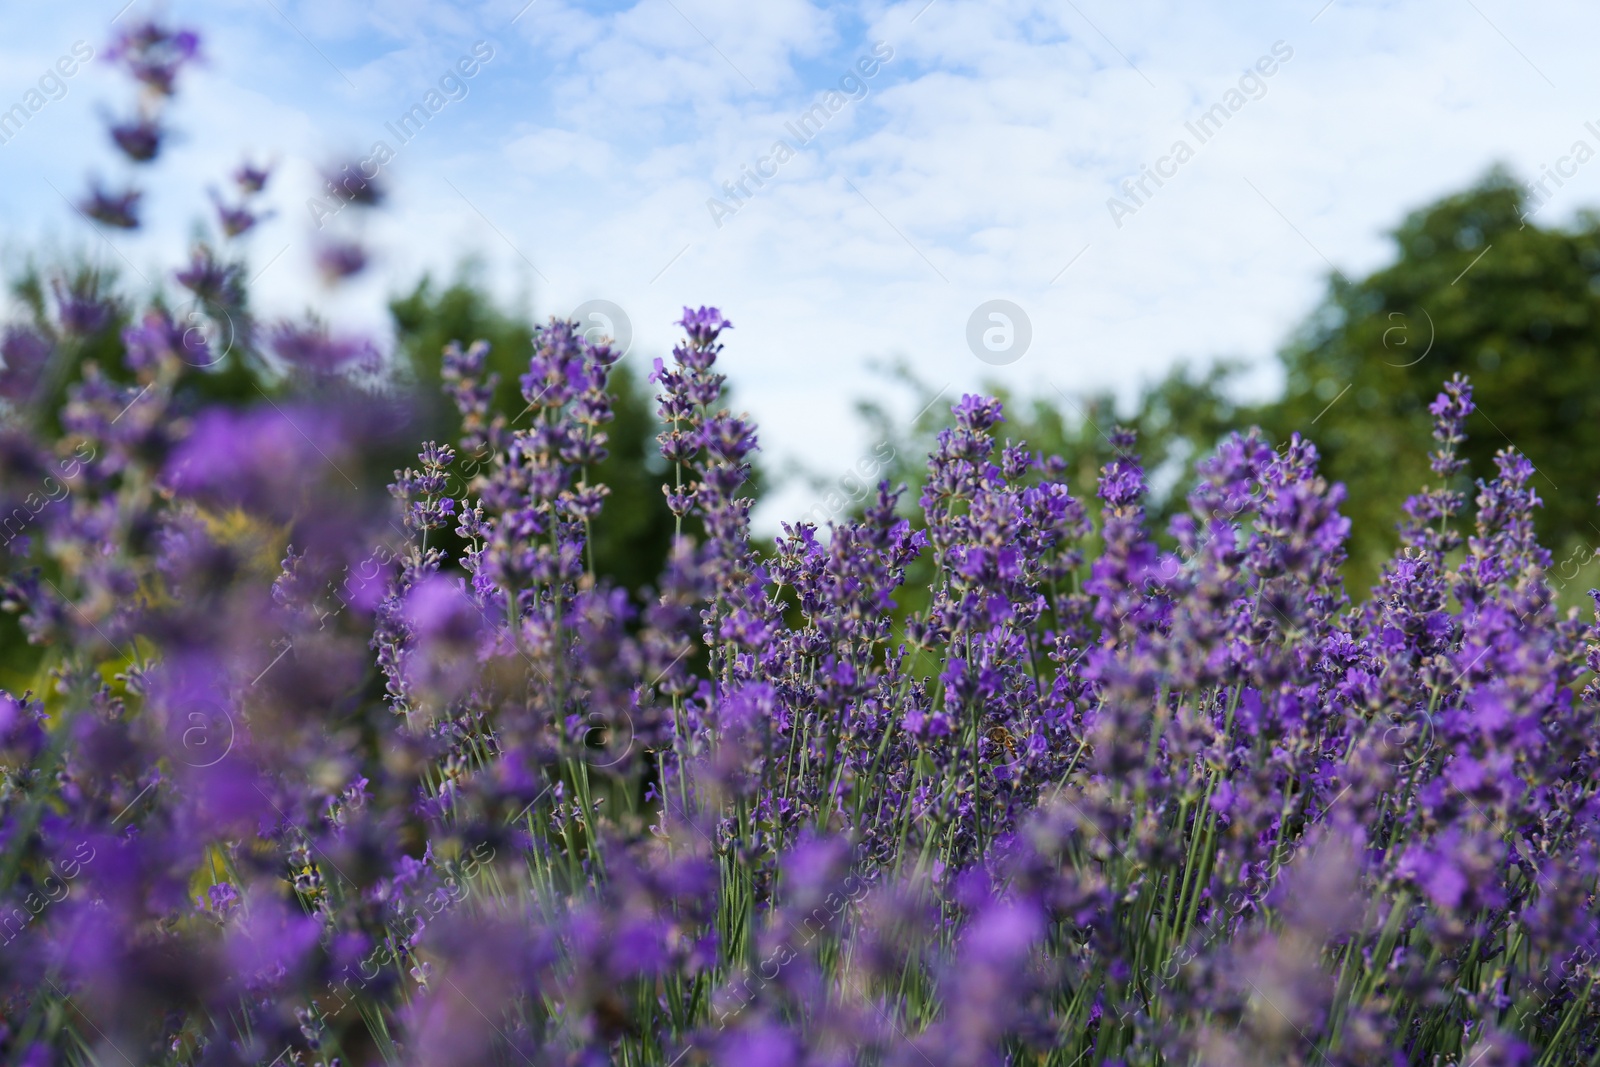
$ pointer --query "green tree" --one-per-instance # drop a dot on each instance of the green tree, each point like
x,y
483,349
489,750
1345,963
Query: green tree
x,y
1476,287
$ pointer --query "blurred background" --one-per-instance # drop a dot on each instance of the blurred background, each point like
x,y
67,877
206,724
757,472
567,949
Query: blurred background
x,y
1183,218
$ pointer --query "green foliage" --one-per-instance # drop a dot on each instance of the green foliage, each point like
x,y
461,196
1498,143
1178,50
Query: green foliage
x,y
430,317
1474,288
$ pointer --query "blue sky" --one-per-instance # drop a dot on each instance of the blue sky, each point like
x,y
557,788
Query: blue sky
x,y
976,164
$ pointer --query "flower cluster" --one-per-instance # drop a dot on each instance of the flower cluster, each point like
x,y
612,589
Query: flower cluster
x,y
152,55
1108,798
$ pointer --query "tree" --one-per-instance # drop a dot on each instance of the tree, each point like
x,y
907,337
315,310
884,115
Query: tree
x,y
1476,287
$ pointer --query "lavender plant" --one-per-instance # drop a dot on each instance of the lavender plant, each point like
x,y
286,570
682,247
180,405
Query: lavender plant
x,y
308,776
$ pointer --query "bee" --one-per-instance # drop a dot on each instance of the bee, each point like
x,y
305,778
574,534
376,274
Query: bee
x,y
999,735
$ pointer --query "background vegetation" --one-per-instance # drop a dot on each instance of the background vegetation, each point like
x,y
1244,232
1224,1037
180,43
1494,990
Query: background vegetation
x,y
1475,286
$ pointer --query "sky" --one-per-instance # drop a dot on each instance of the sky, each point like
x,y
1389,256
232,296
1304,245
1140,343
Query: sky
x,y
964,186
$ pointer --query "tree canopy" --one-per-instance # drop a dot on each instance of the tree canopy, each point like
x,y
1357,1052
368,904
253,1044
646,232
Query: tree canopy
x,y
1477,287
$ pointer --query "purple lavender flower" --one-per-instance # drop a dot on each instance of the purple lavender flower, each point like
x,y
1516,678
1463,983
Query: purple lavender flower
x,y
119,209
159,337
349,184
257,458
237,219
81,307
250,178
212,281
338,260
470,390
24,352
703,326
139,138
22,724
154,54
314,351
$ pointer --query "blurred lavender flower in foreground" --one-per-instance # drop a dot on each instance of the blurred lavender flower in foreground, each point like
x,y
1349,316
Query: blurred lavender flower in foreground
x,y
250,178
154,54
338,260
24,352
313,350
119,209
81,307
138,138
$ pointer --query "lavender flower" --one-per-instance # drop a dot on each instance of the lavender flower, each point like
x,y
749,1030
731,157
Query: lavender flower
x,y
237,219
160,336
1160,817
211,280
118,209
24,352
139,138
338,260
312,350
250,178
351,185
82,309
154,54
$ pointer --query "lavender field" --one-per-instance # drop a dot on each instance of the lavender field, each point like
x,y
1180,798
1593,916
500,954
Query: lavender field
x,y
987,771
